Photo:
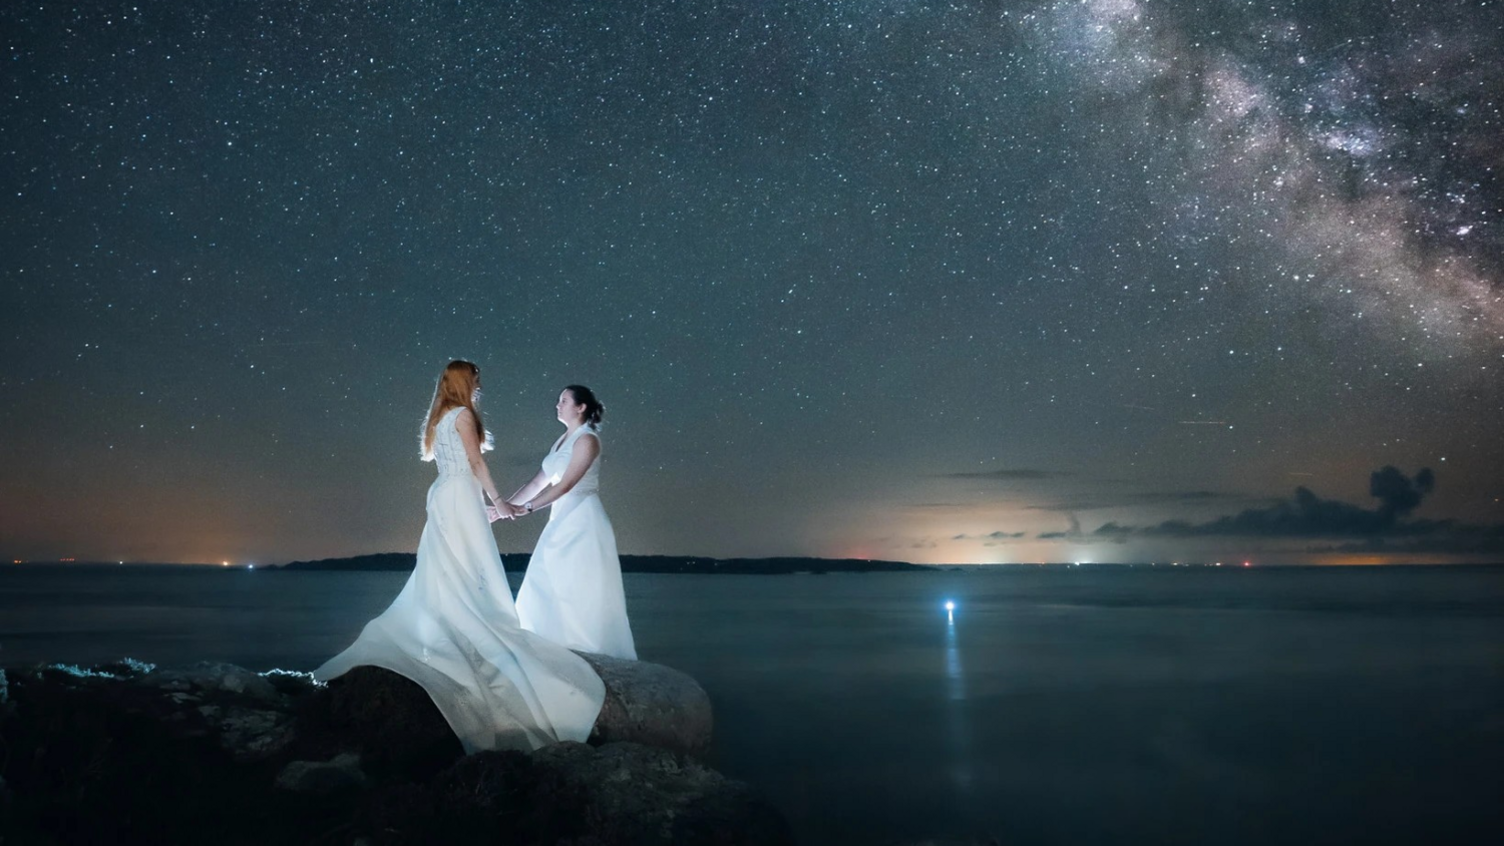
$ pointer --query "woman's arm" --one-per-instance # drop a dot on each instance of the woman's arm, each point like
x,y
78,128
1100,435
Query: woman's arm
x,y
586,448
464,423
529,490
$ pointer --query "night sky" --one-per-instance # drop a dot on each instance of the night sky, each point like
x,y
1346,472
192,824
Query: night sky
x,y
1113,280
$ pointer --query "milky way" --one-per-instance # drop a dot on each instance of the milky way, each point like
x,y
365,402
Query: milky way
x,y
1369,156
971,281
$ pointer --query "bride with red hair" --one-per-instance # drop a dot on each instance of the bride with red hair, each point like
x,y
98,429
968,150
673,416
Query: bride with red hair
x,y
454,629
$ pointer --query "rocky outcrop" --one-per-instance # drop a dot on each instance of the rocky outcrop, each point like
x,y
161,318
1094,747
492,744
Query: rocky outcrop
x,y
211,676
386,719
645,703
651,704
623,793
216,753
322,778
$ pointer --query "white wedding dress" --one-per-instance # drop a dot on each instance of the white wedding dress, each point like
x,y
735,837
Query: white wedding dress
x,y
454,630
572,593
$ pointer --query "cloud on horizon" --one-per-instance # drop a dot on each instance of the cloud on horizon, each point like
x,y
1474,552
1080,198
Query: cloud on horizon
x,y
992,536
1094,502
1308,515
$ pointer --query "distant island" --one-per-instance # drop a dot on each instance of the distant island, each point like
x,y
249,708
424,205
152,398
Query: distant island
x,y
517,562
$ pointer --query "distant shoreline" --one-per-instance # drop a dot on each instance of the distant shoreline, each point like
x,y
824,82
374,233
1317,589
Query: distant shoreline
x,y
518,561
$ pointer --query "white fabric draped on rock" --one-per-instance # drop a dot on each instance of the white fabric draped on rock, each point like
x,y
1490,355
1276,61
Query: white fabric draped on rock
x,y
572,593
454,630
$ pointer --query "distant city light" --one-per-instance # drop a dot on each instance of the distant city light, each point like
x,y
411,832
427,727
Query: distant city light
x,y
224,563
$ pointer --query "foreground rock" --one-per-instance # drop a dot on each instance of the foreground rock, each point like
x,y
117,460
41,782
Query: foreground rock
x,y
214,753
393,725
651,704
619,793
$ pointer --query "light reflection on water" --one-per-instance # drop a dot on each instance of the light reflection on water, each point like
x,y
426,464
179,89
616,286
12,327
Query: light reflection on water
x,y
1077,705
958,735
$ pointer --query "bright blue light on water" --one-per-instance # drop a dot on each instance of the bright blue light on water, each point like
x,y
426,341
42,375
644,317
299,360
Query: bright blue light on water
x,y
950,605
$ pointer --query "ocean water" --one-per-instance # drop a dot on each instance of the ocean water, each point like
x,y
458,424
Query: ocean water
x,y
1053,705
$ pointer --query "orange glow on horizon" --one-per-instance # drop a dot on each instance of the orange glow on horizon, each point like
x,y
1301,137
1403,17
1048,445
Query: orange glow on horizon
x,y
1356,560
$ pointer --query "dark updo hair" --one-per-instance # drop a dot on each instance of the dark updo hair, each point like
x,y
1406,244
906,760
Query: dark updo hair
x,y
586,397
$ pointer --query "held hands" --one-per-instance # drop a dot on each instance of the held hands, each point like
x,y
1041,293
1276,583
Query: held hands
x,y
503,511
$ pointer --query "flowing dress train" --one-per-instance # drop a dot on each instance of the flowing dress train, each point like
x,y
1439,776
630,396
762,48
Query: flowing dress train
x,y
454,630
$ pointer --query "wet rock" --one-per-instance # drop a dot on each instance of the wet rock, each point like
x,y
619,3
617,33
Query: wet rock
x,y
203,753
386,718
99,760
213,676
651,704
251,734
621,793
322,778
643,795
396,726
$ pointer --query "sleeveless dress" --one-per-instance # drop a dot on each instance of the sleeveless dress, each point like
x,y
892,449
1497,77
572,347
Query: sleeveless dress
x,y
572,593
454,630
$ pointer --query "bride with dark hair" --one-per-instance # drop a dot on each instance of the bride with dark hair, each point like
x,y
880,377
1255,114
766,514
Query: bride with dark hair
x,y
454,629
572,593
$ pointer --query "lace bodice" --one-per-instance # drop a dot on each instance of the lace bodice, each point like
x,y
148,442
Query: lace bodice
x,y
448,449
556,462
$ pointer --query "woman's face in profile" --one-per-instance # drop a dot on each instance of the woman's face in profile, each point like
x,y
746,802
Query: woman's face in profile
x,y
567,409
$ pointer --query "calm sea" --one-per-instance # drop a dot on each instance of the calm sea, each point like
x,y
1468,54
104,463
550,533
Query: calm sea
x,y
1059,705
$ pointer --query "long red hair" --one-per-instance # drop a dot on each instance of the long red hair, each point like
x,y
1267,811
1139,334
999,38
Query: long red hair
x,y
457,386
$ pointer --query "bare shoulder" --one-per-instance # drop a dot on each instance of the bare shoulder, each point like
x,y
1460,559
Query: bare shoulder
x,y
464,425
589,442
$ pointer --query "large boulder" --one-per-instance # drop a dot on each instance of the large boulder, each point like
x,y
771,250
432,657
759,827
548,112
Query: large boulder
x,y
215,676
394,724
620,793
651,704
249,734
321,778
386,718
639,794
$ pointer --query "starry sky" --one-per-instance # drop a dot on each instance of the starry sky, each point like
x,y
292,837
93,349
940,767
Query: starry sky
x,y
967,282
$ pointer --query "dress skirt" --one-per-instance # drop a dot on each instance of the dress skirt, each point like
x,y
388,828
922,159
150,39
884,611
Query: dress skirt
x,y
454,630
573,593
